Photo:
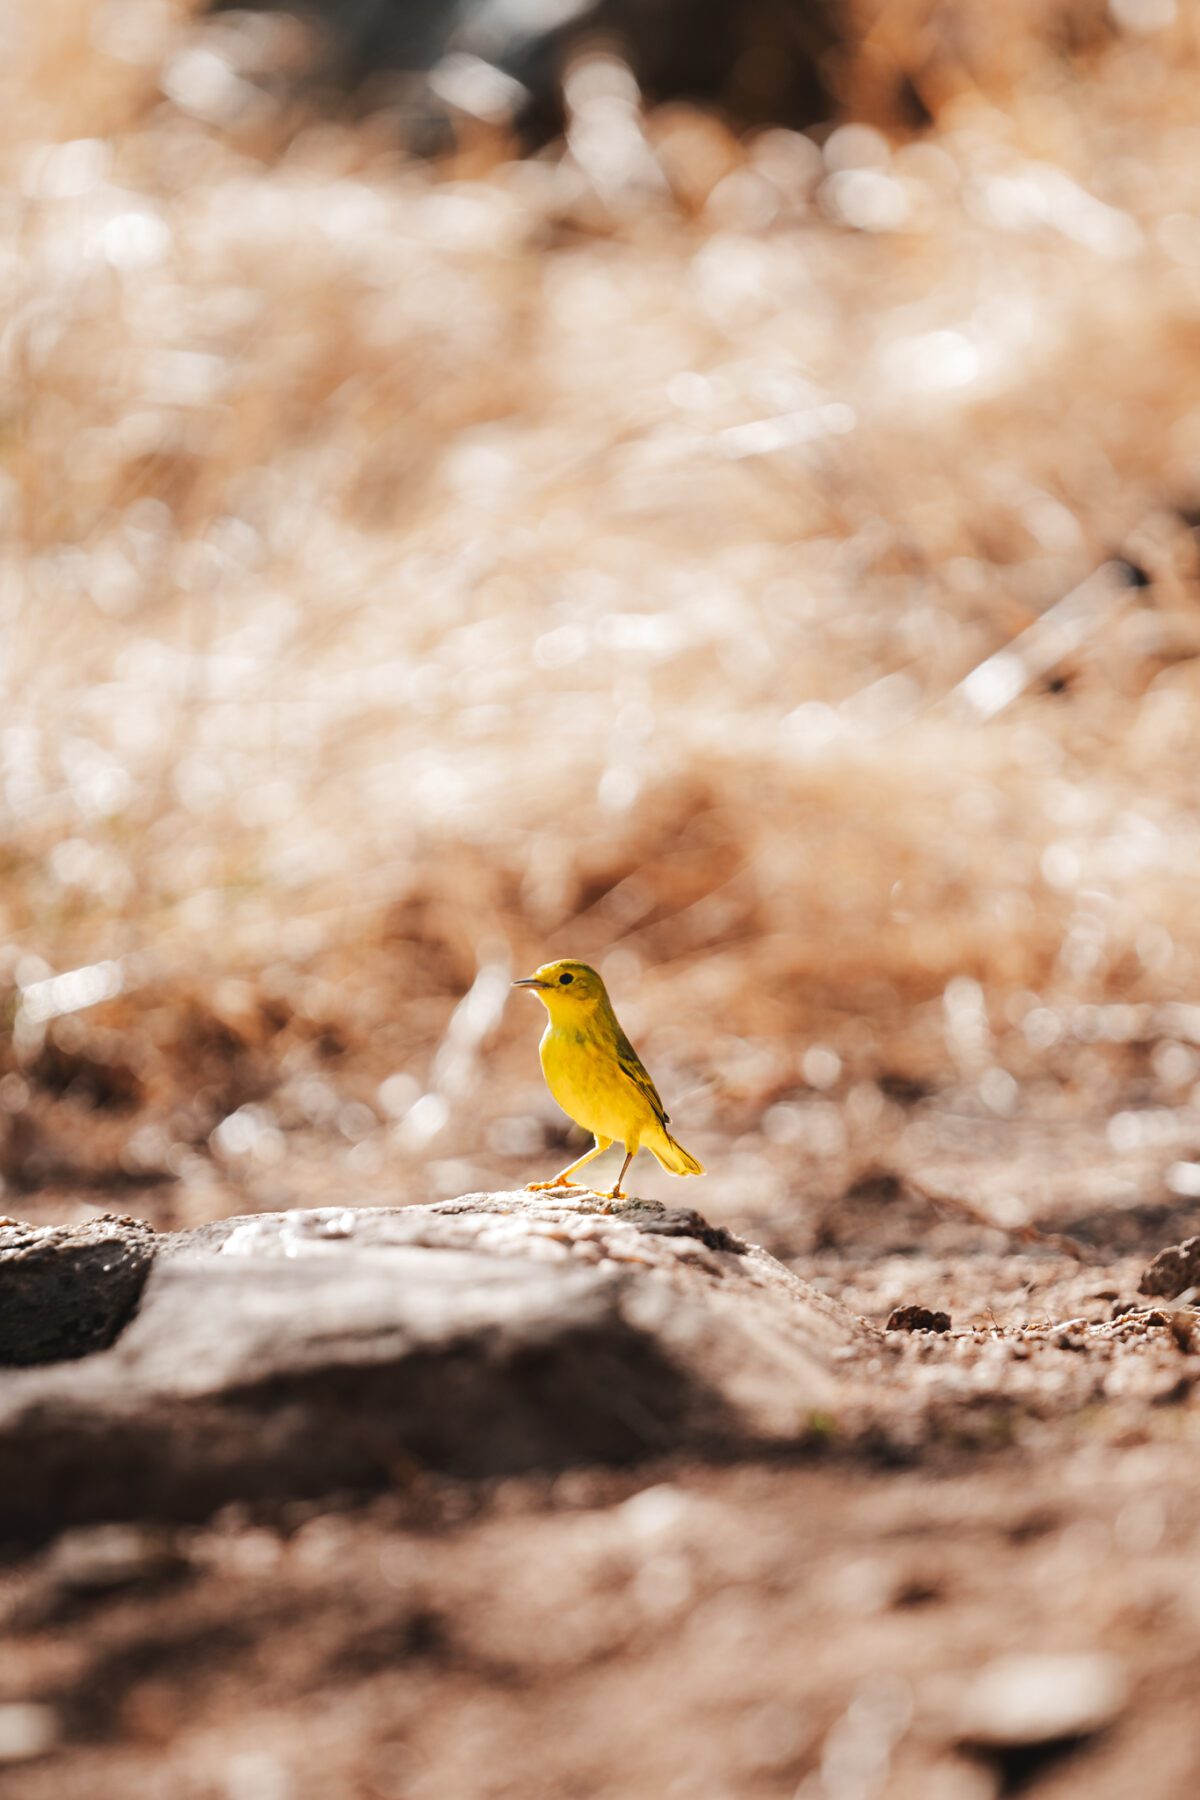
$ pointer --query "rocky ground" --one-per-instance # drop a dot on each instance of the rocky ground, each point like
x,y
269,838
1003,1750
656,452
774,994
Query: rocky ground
x,y
507,1496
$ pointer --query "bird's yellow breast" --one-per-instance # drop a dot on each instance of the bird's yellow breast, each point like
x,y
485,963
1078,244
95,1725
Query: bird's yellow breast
x,y
585,1078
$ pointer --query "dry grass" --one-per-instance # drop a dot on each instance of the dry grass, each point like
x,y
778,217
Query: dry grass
x,y
412,573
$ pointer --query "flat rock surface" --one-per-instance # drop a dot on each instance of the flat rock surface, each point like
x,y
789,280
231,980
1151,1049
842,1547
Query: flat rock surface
x,y
296,1353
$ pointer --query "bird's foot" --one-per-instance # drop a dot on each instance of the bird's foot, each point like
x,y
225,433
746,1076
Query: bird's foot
x,y
548,1187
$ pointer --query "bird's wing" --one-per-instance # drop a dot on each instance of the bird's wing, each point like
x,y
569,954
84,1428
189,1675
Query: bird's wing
x,y
634,1070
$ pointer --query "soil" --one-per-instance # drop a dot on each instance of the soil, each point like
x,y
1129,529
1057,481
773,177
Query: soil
x,y
826,1623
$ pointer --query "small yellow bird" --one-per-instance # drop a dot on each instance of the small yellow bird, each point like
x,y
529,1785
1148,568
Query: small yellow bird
x,y
596,1075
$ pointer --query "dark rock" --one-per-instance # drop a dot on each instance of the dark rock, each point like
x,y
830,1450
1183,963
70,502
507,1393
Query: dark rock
x,y
292,1354
682,1221
66,1290
1173,1270
917,1318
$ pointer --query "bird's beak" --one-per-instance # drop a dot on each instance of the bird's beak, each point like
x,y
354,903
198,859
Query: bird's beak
x,y
530,981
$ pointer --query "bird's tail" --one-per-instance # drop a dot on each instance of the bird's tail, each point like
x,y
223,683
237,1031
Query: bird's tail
x,y
673,1157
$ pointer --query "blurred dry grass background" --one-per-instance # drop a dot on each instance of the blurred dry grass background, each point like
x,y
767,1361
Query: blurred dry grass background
x,y
412,572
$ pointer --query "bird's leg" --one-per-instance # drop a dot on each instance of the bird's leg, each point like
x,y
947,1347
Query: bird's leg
x,y
616,1193
564,1180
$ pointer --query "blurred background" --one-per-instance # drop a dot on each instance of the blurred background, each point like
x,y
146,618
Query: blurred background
x,y
708,489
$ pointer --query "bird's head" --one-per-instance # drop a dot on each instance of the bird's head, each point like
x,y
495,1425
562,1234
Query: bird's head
x,y
567,989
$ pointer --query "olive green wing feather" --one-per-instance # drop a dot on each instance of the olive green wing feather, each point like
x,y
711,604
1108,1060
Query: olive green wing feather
x,y
634,1070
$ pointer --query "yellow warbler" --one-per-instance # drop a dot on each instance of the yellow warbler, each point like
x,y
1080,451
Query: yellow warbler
x,y
596,1075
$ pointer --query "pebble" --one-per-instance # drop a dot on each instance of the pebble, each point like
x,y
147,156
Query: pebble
x,y
917,1318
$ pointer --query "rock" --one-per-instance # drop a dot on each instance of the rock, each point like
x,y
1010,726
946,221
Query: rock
x,y
1173,1270
1018,1701
66,1290
291,1354
917,1318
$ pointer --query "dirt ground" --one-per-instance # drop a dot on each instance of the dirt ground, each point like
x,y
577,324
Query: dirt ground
x,y
1017,1487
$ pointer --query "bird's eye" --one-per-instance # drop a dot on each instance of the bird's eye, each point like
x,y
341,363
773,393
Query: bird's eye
x,y
565,980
